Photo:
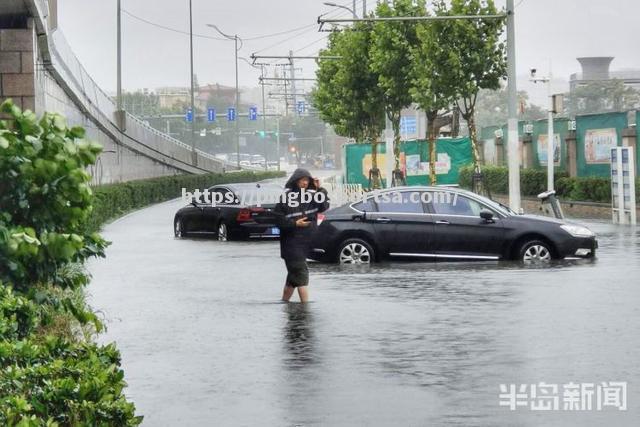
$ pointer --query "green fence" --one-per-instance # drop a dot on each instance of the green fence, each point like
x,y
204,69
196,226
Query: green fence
x,y
596,135
452,154
539,140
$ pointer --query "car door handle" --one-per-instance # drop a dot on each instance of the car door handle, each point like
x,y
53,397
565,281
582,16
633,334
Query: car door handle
x,y
383,220
443,222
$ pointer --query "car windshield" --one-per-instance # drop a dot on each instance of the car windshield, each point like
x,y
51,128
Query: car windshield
x,y
496,205
265,194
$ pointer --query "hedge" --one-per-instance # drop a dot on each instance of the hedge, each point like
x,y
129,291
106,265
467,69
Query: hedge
x,y
534,182
114,200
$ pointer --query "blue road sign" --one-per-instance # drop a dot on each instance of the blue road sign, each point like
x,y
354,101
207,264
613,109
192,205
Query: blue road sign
x,y
301,107
231,114
189,115
408,125
211,114
253,113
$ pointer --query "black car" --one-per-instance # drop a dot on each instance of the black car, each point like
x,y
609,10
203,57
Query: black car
x,y
239,212
431,223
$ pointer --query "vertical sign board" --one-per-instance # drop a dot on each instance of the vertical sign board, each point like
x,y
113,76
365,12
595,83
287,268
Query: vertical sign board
x,y
253,113
408,127
231,114
301,107
211,115
189,115
623,191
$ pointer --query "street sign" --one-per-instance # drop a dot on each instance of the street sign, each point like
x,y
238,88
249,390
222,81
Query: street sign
x,y
623,194
408,125
211,114
189,115
301,107
231,114
253,113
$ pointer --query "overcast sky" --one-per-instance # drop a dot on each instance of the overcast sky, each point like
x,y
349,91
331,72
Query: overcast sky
x,y
555,31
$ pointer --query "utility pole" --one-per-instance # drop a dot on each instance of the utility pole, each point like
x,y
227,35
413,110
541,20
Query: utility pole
x,y
120,115
278,141
237,105
551,137
264,121
514,145
364,8
293,78
119,71
194,155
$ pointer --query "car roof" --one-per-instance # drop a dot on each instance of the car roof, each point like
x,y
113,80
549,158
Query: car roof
x,y
240,186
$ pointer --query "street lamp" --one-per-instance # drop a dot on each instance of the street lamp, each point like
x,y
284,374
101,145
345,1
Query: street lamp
x,y
352,10
235,38
264,117
194,154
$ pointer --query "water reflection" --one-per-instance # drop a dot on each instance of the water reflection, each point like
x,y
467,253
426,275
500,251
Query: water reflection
x,y
299,336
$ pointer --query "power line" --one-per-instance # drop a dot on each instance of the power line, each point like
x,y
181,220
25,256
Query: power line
x,y
280,33
312,43
164,27
332,12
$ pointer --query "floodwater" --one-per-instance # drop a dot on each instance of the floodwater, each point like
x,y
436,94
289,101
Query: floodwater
x,y
205,341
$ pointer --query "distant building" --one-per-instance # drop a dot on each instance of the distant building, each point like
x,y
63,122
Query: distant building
x,y
595,69
169,97
222,94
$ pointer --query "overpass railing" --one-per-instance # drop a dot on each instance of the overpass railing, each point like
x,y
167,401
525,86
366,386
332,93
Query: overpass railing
x,y
105,104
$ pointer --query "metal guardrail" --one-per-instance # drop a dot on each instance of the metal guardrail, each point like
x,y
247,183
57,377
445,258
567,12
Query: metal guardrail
x,y
98,98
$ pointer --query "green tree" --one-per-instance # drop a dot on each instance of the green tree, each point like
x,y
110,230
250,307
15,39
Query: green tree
x,y
491,108
392,46
347,94
472,54
601,97
141,104
431,88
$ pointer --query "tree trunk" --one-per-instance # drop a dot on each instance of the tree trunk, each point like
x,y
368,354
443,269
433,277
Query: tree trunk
x,y
374,173
431,137
469,116
398,177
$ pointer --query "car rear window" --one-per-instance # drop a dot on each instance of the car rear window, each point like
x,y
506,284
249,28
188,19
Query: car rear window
x,y
365,206
407,203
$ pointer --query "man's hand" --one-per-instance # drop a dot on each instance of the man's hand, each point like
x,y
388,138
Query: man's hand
x,y
303,222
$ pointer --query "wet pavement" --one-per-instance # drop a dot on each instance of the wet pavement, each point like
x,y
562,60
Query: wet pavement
x,y
205,341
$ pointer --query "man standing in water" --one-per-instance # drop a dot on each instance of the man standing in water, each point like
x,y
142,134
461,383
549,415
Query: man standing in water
x,y
297,219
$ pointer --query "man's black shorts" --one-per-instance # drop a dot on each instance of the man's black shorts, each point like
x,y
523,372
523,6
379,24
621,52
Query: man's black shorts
x,y
297,273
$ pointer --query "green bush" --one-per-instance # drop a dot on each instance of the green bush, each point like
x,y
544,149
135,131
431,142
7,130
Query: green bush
x,y
51,371
113,200
534,182
47,376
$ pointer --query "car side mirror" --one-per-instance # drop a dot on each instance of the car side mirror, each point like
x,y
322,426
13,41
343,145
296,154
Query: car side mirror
x,y
360,217
486,215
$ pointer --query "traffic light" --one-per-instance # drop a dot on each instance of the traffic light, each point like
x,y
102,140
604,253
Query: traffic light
x,y
265,134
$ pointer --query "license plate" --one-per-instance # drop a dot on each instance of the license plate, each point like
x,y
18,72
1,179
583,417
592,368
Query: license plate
x,y
275,230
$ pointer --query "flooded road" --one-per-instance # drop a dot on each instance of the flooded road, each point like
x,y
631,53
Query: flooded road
x,y
205,341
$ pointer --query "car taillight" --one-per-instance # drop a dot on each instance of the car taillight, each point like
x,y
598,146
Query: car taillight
x,y
246,213
321,218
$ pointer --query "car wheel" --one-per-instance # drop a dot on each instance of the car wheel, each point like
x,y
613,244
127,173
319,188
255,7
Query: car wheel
x,y
355,251
535,251
178,228
223,232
